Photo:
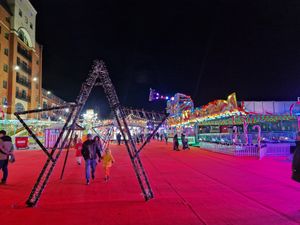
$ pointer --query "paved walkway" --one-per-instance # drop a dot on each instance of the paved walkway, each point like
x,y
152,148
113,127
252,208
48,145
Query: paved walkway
x,y
190,187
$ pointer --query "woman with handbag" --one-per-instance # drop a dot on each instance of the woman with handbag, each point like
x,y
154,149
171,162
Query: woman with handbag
x,y
6,154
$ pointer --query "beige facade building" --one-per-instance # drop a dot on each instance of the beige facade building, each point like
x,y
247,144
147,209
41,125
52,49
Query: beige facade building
x,y
20,58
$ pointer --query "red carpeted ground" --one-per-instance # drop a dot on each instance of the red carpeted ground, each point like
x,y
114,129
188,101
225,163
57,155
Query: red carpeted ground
x,y
190,187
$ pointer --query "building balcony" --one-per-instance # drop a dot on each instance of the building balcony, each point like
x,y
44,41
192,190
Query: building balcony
x,y
24,67
25,53
23,97
23,82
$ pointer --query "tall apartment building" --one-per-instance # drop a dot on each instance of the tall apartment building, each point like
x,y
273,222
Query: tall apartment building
x,y
20,58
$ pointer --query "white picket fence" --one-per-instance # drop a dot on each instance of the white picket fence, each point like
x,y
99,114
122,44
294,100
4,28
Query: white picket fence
x,y
250,151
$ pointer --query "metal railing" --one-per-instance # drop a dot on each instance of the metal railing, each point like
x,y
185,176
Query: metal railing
x,y
23,97
24,67
280,149
23,81
25,53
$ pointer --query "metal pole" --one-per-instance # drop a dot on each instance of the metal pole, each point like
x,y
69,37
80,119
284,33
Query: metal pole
x,y
67,154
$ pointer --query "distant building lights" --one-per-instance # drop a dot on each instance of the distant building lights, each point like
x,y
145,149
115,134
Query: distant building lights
x,y
17,67
48,92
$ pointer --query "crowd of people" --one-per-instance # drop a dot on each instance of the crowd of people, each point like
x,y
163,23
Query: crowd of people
x,y
141,137
90,150
162,136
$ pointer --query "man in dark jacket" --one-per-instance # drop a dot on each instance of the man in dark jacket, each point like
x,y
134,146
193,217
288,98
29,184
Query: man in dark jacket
x,y
119,138
6,149
90,151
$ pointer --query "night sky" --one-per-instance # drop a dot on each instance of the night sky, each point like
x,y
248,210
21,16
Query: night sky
x,y
206,49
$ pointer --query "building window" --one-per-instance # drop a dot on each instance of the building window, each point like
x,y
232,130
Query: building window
x,y
6,51
5,67
20,13
37,62
6,35
19,107
4,101
24,38
31,26
7,19
5,84
23,93
37,86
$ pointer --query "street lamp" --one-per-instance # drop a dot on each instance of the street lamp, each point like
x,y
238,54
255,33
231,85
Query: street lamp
x,y
35,79
17,67
48,92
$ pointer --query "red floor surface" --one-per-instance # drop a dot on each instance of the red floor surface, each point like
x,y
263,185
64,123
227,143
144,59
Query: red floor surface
x,y
190,187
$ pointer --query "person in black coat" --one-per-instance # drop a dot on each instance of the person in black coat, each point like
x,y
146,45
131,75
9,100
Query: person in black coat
x,y
90,151
185,144
175,143
119,138
296,160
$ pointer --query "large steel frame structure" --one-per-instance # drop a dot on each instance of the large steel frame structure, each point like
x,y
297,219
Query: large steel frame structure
x,y
98,76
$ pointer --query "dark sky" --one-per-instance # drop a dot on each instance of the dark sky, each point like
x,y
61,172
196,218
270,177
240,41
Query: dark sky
x,y
206,49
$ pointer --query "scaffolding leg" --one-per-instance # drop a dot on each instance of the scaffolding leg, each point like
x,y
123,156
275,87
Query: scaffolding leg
x,y
67,154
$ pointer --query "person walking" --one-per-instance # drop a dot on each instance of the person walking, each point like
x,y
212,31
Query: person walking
x,y
78,148
6,153
137,139
166,137
184,141
148,137
90,151
98,142
75,140
119,138
296,160
175,143
157,136
107,161
142,137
